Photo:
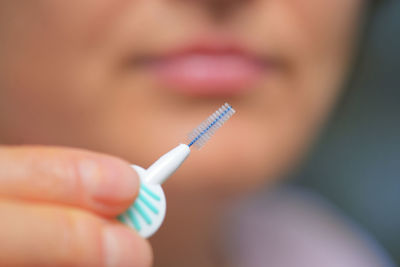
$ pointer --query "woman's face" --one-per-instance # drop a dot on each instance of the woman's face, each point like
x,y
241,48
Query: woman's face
x,y
131,78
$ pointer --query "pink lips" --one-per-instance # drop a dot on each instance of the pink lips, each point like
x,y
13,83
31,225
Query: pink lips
x,y
209,70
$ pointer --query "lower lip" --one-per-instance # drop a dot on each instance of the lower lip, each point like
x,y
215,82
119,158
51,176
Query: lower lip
x,y
209,75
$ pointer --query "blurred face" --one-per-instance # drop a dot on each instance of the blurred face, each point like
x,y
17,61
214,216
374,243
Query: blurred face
x,y
131,78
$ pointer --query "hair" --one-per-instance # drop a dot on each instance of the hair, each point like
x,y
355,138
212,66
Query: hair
x,y
360,48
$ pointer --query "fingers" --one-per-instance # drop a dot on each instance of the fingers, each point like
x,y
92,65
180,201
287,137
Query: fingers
x,y
40,235
103,184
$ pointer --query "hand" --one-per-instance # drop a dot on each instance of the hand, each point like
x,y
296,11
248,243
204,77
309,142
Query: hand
x,y
57,208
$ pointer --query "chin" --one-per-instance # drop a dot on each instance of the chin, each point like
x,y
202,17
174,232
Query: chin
x,y
220,173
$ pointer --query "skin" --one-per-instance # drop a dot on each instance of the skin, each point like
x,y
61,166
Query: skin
x,y
67,80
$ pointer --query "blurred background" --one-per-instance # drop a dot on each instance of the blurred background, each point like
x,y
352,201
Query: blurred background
x,y
356,165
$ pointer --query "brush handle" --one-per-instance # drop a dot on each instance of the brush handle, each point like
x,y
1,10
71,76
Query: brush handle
x,y
148,211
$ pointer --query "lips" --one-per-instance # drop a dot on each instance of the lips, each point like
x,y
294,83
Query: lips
x,y
209,70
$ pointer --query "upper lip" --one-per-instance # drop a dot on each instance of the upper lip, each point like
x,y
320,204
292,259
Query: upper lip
x,y
216,47
213,46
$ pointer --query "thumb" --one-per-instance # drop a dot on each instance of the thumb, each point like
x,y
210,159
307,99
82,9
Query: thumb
x,y
34,235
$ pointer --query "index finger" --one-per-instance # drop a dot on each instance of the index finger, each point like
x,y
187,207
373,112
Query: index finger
x,y
97,182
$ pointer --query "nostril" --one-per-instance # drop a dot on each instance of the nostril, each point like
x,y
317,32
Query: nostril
x,y
219,10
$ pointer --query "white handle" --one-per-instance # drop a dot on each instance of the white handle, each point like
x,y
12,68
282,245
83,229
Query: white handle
x,y
148,212
165,166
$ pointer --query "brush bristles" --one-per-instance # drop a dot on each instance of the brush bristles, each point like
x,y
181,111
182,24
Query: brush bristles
x,y
199,136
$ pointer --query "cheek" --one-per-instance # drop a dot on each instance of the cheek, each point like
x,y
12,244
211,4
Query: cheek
x,y
314,38
48,64
318,24
317,38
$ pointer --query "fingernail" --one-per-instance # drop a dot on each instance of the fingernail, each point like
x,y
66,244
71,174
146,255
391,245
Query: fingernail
x,y
109,179
123,248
